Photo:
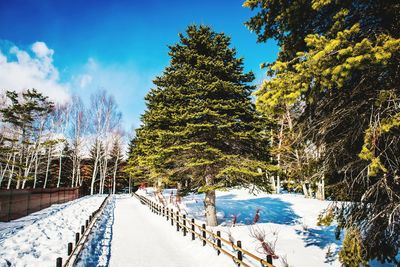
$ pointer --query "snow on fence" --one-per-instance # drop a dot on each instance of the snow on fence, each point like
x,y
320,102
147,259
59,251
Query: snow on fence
x,y
81,237
238,255
17,203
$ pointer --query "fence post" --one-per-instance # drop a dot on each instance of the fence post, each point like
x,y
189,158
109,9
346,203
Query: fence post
x,y
69,251
204,234
184,225
239,254
167,214
82,229
76,238
59,262
177,221
218,242
86,223
193,230
269,259
172,217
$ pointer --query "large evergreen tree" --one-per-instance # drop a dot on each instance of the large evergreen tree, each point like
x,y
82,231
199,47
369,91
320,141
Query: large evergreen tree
x,y
340,64
201,129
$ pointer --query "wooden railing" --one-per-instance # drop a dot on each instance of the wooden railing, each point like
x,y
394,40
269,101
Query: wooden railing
x,y
240,256
80,238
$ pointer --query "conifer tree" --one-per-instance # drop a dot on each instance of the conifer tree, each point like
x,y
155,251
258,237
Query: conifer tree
x,y
201,129
340,63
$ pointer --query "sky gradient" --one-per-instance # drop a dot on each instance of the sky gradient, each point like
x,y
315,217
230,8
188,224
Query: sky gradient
x,y
116,45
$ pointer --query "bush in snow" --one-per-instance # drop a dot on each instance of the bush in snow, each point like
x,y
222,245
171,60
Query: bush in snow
x,y
234,219
325,217
256,216
353,253
266,247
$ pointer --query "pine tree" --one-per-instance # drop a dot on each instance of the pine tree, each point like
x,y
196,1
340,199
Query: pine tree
x,y
340,63
201,129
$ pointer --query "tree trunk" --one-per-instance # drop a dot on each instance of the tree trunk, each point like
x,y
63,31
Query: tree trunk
x,y
209,204
115,174
310,191
272,182
211,212
320,194
36,170
93,177
3,173
305,191
278,184
47,169
59,171
11,172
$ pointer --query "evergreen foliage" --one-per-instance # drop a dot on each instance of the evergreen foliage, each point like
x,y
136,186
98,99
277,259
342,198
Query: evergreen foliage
x,y
338,71
353,253
201,128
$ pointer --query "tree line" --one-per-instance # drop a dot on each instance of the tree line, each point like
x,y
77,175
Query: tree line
x,y
45,144
326,122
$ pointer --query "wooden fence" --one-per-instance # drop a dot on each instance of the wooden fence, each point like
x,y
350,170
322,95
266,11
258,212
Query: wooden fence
x,y
188,226
73,251
16,203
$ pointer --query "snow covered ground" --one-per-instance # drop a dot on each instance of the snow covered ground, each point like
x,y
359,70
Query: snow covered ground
x,y
129,234
38,239
289,219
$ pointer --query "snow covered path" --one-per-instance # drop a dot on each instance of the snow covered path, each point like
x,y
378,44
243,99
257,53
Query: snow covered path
x,y
141,238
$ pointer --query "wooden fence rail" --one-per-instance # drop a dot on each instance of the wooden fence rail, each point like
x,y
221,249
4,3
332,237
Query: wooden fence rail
x,y
188,225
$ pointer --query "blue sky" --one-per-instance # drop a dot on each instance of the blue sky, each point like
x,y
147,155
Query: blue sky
x,y
119,45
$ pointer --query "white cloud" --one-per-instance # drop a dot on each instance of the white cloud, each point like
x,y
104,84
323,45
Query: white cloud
x,y
85,80
21,70
41,50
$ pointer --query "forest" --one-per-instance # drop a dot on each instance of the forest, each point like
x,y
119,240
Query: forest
x,y
50,145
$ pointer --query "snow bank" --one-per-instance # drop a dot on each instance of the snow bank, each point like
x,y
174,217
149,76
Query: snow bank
x,y
38,239
289,219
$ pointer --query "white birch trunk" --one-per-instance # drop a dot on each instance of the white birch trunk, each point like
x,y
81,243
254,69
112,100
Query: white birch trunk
x,y
11,172
115,174
47,168
59,169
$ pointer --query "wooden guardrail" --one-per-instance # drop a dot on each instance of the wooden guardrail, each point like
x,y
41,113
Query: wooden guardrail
x,y
189,226
81,237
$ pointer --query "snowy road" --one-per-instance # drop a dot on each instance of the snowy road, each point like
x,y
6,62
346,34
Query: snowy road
x,y
141,238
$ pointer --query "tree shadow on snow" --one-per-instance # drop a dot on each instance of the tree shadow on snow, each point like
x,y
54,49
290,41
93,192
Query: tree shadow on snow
x,y
321,237
272,210
97,251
